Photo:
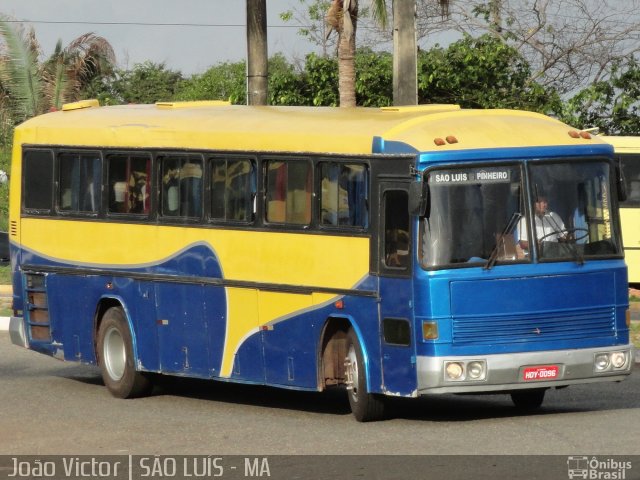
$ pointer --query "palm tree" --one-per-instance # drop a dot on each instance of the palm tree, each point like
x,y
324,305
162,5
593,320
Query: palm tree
x,y
343,18
30,88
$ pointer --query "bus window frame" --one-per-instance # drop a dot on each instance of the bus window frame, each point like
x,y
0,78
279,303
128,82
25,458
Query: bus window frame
x,y
35,212
159,156
263,182
514,162
212,156
57,183
614,207
317,220
108,214
625,158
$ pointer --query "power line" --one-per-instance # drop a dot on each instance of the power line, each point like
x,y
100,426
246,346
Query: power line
x,y
147,24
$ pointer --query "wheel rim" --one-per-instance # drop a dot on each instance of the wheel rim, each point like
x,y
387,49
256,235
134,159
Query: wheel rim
x,y
352,372
115,354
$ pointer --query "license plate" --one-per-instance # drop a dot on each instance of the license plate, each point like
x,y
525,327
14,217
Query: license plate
x,y
542,372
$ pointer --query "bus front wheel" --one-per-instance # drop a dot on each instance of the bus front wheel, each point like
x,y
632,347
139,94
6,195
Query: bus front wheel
x,y
116,359
366,407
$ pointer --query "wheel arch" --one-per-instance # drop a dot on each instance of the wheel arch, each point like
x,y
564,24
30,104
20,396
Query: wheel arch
x,y
103,305
332,350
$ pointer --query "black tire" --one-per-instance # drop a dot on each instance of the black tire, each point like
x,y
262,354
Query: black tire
x,y
528,399
366,407
116,359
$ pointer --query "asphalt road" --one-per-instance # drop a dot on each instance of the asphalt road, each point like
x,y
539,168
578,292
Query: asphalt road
x,y
51,407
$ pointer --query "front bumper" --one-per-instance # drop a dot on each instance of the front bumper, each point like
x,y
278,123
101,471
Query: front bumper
x,y
17,332
505,372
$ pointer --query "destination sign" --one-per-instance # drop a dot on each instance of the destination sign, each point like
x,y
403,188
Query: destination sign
x,y
500,175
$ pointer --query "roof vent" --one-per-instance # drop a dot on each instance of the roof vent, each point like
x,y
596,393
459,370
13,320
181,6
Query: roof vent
x,y
67,107
199,103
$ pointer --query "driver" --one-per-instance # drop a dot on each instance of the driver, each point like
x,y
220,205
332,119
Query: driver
x,y
549,225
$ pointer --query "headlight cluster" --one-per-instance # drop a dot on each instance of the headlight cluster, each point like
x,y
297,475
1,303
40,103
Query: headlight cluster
x,y
610,361
465,371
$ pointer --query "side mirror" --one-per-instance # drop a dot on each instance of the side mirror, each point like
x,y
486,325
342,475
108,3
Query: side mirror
x,y
418,198
621,184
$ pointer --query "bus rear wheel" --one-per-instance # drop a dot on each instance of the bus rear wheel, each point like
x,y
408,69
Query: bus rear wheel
x,y
366,407
116,359
528,399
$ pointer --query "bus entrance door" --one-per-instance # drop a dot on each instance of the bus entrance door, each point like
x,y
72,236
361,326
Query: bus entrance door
x,y
396,291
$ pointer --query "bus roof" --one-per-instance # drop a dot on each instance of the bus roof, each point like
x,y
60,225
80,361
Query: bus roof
x,y
219,126
623,144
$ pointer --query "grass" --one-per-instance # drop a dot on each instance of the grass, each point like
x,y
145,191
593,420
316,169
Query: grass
x,y
5,279
5,274
635,334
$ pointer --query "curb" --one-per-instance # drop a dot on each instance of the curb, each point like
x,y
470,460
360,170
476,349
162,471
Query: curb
x,y
4,323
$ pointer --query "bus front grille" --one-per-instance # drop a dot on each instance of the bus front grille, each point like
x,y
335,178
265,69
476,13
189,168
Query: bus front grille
x,y
548,326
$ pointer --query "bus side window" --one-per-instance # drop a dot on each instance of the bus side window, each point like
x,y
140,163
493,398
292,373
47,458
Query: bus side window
x,y
233,189
129,187
344,195
38,180
79,182
181,191
289,191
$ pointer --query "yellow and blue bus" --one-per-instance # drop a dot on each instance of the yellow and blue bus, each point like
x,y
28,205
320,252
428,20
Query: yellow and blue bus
x,y
627,152
381,250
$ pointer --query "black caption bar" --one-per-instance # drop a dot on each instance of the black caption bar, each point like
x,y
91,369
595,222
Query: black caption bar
x,y
343,467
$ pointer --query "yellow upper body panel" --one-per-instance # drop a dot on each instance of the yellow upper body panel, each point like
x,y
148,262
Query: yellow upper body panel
x,y
208,125
623,144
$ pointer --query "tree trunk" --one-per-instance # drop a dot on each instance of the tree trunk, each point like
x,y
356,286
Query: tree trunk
x,y
257,55
347,70
405,61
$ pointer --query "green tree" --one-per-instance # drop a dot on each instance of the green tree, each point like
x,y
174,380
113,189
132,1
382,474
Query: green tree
x,y
31,87
148,82
611,105
481,72
225,81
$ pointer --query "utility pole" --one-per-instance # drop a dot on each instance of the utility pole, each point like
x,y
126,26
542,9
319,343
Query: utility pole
x,y
405,53
257,55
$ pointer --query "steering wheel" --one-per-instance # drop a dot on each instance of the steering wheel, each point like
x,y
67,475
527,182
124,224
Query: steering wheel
x,y
565,232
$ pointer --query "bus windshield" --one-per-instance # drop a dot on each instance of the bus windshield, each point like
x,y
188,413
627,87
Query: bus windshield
x,y
575,201
470,213
477,216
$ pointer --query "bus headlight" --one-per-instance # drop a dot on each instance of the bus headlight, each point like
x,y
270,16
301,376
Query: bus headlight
x,y
601,362
454,370
476,370
465,371
618,360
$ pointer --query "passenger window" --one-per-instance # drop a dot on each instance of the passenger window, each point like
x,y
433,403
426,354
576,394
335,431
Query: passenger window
x,y
631,169
80,182
289,189
233,189
344,196
129,184
38,180
181,193
396,227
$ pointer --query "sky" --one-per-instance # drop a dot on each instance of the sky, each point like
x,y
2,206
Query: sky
x,y
186,35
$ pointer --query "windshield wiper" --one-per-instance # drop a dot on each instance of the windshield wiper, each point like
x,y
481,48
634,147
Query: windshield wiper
x,y
508,229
